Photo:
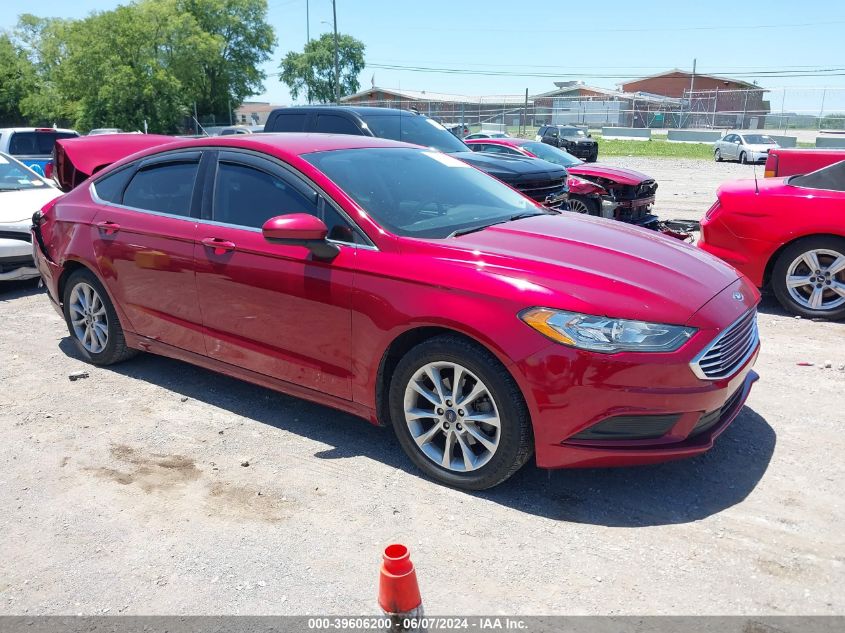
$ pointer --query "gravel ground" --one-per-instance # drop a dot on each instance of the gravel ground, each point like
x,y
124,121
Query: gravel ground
x,y
128,492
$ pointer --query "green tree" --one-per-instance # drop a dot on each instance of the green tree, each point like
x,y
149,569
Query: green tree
x,y
235,40
17,79
311,72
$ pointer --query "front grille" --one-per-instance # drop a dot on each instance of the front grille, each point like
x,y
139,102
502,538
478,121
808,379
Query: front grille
x,y
711,419
729,350
629,427
16,235
539,190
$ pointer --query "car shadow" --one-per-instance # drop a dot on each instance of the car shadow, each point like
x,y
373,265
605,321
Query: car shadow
x,y
771,306
11,290
674,492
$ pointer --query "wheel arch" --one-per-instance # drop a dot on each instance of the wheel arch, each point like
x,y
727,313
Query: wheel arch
x,y
70,266
402,344
773,258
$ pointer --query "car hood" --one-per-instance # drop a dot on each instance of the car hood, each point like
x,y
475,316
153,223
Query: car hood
x,y
617,174
597,266
509,168
18,206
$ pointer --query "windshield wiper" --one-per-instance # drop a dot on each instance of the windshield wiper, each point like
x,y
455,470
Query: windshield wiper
x,y
518,216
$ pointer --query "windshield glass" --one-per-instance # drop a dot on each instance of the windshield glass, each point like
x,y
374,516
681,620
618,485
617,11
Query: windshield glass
x,y
830,178
420,193
551,154
759,139
572,131
416,129
15,177
35,143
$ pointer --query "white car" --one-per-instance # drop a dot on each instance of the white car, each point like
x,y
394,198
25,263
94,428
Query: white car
x,y
746,148
22,193
484,134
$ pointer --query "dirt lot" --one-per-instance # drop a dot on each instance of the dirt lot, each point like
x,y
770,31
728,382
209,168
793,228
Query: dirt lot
x,y
125,493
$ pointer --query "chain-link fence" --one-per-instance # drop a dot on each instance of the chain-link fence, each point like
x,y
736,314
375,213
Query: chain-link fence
x,y
819,109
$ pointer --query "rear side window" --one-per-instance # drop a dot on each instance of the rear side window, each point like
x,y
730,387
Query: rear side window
x,y
35,143
166,188
289,122
334,124
110,188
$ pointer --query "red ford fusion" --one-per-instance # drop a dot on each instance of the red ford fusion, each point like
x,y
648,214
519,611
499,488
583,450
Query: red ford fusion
x,y
786,233
404,286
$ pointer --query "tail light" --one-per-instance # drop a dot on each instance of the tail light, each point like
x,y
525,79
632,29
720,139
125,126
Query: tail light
x,y
771,166
713,209
48,170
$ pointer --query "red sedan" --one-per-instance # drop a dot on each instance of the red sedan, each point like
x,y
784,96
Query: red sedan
x,y
601,190
404,286
787,233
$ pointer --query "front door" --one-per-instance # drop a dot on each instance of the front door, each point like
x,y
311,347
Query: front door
x,y
144,247
267,307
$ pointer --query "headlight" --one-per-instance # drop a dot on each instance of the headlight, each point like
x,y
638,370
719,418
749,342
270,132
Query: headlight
x,y
605,334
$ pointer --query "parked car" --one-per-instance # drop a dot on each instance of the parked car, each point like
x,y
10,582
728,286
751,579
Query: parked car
x,y
33,146
538,179
790,162
575,140
744,147
22,193
105,130
786,233
611,192
241,129
484,134
399,284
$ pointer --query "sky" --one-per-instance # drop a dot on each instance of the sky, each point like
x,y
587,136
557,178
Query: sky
x,y
600,43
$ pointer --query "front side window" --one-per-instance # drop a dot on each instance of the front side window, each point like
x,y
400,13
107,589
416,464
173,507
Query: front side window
x,y
248,197
165,188
551,154
394,185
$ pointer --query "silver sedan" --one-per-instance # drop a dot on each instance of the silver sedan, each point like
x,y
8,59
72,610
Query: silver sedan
x,y
746,148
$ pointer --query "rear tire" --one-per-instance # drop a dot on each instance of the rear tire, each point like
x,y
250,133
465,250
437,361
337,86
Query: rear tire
x,y
92,320
478,432
817,296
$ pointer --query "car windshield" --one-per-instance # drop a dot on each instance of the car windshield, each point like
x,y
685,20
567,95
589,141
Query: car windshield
x,y
552,154
16,177
830,178
38,143
759,139
416,129
572,131
421,193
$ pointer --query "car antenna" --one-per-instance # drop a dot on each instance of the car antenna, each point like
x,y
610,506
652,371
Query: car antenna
x,y
756,185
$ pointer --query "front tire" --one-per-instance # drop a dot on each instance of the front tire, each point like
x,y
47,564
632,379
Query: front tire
x,y
743,158
808,278
718,155
586,206
593,157
92,321
459,415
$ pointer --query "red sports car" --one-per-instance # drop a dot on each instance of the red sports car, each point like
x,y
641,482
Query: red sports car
x,y
787,233
407,287
611,192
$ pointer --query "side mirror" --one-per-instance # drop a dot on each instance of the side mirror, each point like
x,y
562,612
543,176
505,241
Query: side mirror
x,y
589,136
300,229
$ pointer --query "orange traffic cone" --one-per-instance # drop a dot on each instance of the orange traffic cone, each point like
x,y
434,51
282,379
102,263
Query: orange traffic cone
x,y
398,591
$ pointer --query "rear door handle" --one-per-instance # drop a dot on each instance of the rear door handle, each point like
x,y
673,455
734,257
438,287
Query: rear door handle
x,y
108,227
219,246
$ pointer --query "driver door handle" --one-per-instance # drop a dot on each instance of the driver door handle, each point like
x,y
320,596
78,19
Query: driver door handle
x,y
220,246
108,227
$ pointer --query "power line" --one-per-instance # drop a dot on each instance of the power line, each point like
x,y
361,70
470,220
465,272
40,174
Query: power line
x,y
720,27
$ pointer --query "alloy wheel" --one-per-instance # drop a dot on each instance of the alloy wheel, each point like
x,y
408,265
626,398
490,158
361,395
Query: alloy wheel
x,y
452,416
578,206
816,279
88,318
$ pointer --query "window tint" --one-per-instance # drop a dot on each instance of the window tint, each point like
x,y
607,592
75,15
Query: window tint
x,y
35,143
290,122
334,124
165,188
245,196
416,129
111,187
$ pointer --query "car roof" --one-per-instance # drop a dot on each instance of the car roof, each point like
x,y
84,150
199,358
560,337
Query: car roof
x,y
500,141
360,110
38,129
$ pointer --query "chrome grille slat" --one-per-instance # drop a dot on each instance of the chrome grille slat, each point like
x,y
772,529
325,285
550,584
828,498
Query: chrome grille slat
x,y
729,350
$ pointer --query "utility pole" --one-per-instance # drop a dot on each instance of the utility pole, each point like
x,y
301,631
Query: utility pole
x,y
307,23
691,88
336,71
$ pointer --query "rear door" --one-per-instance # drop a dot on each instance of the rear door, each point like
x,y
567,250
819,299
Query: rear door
x,y
273,308
146,227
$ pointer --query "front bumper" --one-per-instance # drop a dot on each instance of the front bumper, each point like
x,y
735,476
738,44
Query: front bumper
x,y
575,397
16,259
582,151
757,157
